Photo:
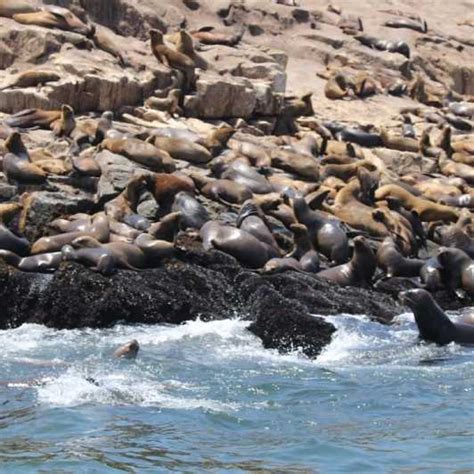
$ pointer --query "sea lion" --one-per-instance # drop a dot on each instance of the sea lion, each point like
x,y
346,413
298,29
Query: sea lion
x,y
22,171
394,264
104,258
169,104
128,350
258,155
427,210
303,250
13,243
280,265
207,36
98,230
366,139
384,45
30,118
456,236
127,201
359,271
345,171
226,191
54,17
14,144
301,165
154,249
64,126
106,40
326,234
398,142
185,45
251,219
8,8
164,188
167,227
245,175
246,248
193,214
338,86
181,149
171,58
431,275
451,168
459,268
31,78
433,324
41,263
421,27
141,152
8,210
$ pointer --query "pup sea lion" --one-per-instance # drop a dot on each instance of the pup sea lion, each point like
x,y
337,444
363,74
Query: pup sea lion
x,y
128,350
359,271
432,322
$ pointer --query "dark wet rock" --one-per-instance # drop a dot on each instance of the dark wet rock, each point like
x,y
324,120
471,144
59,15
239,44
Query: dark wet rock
x,y
286,325
42,207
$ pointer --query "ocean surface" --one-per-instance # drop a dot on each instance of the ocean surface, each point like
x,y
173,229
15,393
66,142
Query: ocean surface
x,y
206,397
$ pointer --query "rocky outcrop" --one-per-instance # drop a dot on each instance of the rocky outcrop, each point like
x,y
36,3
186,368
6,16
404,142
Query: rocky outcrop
x,y
210,285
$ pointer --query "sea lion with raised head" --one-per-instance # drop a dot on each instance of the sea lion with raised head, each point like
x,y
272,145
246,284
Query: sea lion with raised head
x,y
64,126
359,271
458,267
433,324
303,250
394,264
327,234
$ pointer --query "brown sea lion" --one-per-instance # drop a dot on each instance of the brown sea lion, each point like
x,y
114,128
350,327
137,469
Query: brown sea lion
x,y
31,78
105,40
127,201
301,165
399,142
64,126
30,118
280,182
421,27
207,36
427,210
180,149
245,175
338,86
451,168
54,17
154,249
8,8
168,104
22,171
225,191
128,350
13,243
172,58
346,171
8,210
185,46
359,271
141,152
99,230
258,155
394,264
167,228
280,265
104,258
164,188
246,248
303,250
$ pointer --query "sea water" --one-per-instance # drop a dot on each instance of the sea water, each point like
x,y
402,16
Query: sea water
x,y
207,397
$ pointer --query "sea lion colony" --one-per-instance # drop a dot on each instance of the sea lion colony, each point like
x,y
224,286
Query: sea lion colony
x,y
353,204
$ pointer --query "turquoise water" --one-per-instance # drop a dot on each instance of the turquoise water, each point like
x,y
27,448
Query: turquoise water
x,y
207,397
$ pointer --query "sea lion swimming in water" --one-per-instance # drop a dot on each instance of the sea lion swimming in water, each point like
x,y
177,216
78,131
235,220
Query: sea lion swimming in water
x,y
128,350
432,322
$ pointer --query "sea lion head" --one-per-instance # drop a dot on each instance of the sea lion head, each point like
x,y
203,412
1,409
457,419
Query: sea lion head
x,y
85,241
415,299
14,144
128,350
156,37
